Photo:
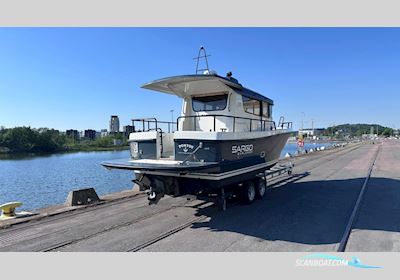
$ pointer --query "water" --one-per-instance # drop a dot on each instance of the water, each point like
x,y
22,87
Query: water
x,y
40,181
291,148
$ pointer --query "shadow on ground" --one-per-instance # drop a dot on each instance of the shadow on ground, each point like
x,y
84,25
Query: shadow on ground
x,y
312,212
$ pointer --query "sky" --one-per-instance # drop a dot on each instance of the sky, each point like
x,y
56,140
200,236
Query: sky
x,y
76,78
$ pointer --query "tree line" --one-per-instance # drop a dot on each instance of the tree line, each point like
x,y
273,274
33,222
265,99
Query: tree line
x,y
359,129
45,140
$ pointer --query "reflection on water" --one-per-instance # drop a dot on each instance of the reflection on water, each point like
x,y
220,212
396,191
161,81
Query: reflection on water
x,y
43,180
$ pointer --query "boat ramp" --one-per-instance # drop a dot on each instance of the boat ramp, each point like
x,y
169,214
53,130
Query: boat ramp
x,y
341,199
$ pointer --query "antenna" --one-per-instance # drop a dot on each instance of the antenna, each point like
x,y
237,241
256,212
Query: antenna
x,y
202,56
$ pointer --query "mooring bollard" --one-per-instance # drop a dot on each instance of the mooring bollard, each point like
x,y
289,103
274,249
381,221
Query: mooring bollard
x,y
8,210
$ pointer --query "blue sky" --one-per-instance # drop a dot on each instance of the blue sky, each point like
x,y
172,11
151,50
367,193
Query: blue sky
x,y
77,77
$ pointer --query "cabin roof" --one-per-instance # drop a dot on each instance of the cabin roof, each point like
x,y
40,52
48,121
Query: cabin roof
x,y
186,85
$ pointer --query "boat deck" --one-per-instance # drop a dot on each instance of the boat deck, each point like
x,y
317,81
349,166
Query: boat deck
x,y
160,164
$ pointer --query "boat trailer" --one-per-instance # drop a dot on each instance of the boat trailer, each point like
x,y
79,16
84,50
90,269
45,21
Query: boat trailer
x,y
221,198
247,190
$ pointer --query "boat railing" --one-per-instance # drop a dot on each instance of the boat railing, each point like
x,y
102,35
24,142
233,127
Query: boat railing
x,y
149,124
254,124
284,125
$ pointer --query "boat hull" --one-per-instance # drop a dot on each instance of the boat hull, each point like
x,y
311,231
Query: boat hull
x,y
234,154
219,161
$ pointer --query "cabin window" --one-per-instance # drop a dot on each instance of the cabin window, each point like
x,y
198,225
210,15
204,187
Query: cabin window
x,y
267,110
209,103
251,106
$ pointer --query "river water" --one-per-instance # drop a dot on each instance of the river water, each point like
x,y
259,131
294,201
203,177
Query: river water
x,y
40,181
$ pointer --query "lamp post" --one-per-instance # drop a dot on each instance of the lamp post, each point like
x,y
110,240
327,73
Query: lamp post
x,y
302,124
172,120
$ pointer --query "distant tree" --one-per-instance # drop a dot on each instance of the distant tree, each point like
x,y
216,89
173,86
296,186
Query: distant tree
x,y
25,139
387,132
119,136
49,140
106,141
355,129
19,139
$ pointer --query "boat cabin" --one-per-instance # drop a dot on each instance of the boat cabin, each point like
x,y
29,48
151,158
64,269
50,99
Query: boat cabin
x,y
217,104
213,107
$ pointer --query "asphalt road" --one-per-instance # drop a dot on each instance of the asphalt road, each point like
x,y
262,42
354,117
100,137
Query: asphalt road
x,y
306,212
378,225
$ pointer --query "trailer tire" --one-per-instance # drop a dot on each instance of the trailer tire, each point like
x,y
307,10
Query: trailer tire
x,y
248,192
261,188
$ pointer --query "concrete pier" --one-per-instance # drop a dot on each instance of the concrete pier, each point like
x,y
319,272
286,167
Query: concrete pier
x,y
306,212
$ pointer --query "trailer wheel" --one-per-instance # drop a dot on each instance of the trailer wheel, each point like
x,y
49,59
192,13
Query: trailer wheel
x,y
260,188
248,192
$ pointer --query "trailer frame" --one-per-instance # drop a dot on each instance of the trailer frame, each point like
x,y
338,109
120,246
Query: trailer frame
x,y
220,199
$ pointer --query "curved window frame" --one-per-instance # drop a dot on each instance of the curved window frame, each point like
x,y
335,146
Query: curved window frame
x,y
266,108
252,99
205,96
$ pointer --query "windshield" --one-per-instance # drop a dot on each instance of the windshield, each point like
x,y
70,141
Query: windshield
x,y
209,103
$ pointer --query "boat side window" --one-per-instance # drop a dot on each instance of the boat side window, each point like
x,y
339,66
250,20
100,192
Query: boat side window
x,y
267,110
209,103
270,110
251,106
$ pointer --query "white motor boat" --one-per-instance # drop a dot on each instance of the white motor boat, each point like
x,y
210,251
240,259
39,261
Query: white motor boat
x,y
224,137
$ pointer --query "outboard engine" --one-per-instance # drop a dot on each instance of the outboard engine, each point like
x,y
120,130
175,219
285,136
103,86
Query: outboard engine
x,y
156,187
156,191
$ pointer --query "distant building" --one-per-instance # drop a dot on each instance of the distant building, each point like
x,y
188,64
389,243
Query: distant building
x,y
311,132
114,124
72,133
128,129
369,136
103,133
90,134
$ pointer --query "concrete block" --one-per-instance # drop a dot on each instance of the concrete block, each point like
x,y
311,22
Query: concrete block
x,y
82,197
